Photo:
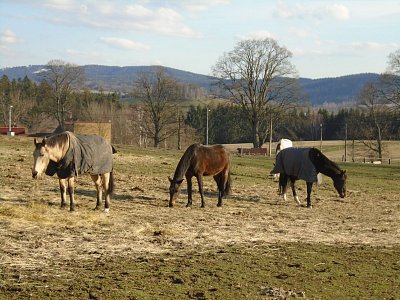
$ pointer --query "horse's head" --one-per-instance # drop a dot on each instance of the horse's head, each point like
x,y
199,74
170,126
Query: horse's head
x,y
41,158
174,189
339,183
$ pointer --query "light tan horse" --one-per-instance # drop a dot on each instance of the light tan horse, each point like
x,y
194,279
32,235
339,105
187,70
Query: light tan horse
x,y
68,155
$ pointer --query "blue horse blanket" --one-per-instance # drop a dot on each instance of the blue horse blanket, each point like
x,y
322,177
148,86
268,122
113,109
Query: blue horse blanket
x,y
296,162
87,153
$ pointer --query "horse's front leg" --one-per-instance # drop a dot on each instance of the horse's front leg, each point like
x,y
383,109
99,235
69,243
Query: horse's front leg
x,y
200,183
99,190
309,189
189,190
71,193
63,191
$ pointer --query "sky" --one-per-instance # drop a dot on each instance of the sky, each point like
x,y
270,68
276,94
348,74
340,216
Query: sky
x,y
326,38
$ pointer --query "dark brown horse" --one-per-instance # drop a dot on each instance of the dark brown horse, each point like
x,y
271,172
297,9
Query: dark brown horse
x,y
305,164
68,155
199,161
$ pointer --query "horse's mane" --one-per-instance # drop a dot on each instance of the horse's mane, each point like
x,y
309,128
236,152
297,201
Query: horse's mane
x,y
325,162
185,161
58,140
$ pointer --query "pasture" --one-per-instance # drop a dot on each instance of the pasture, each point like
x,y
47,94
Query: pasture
x,y
256,246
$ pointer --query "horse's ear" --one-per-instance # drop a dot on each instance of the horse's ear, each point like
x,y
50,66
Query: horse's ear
x,y
34,141
44,142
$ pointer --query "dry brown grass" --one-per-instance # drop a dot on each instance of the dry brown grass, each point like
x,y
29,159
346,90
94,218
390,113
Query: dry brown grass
x,y
38,235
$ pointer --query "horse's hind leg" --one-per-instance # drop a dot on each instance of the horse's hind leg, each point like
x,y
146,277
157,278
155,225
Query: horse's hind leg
x,y
107,187
99,189
220,184
283,179
63,192
292,183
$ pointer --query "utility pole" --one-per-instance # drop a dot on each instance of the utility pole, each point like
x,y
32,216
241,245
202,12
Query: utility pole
x,y
320,143
9,120
270,137
345,142
206,125
179,130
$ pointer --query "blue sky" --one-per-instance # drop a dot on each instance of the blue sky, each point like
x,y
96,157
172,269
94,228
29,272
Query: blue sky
x,y
327,38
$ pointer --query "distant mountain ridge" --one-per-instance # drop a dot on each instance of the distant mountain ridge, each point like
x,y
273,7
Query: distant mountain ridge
x,y
120,79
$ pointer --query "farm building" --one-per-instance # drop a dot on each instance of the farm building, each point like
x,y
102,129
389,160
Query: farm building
x,y
100,128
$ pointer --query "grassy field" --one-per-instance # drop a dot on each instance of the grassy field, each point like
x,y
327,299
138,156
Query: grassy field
x,y
255,247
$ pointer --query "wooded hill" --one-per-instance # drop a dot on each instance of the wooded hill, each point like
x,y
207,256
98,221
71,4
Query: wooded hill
x,y
120,79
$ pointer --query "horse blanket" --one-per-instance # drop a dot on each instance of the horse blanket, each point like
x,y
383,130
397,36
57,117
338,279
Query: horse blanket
x,y
87,153
296,162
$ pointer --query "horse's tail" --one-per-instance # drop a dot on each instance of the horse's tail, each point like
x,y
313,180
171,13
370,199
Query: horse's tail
x,y
111,184
228,186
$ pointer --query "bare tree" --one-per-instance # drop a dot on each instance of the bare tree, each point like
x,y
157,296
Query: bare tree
x,y
63,78
376,124
258,75
159,94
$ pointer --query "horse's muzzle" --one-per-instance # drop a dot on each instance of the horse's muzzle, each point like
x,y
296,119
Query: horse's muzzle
x,y
34,174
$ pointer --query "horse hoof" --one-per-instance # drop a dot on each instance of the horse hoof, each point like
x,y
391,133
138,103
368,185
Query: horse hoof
x,y
107,210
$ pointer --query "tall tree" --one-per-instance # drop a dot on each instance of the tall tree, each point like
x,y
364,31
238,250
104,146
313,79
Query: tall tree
x,y
159,94
258,75
63,78
390,80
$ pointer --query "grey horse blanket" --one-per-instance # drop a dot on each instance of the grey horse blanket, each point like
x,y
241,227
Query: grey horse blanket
x,y
295,162
86,154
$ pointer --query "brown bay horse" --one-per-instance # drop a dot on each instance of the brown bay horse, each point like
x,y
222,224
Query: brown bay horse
x,y
69,155
199,161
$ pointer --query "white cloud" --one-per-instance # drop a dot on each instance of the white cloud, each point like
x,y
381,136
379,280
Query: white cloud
x,y
202,5
258,35
338,11
301,33
124,43
373,46
9,37
60,4
301,11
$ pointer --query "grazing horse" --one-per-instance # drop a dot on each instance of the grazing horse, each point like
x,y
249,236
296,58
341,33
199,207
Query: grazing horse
x,y
305,164
68,155
199,161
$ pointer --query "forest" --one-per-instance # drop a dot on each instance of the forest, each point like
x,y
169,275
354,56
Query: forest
x,y
33,109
